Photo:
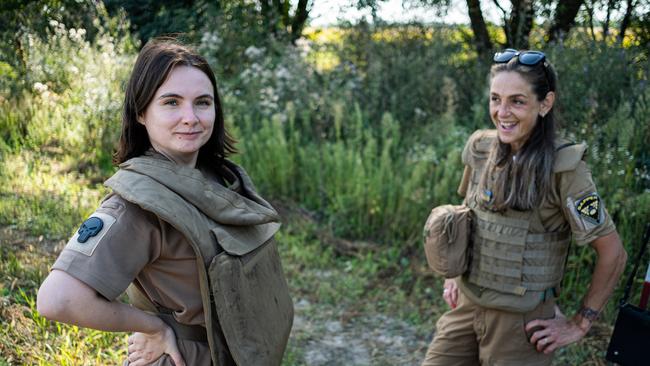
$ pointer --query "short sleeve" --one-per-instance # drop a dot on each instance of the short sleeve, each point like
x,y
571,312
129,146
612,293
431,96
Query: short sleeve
x,y
476,150
111,247
467,153
583,207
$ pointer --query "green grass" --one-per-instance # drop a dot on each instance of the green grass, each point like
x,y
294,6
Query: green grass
x,y
26,338
44,194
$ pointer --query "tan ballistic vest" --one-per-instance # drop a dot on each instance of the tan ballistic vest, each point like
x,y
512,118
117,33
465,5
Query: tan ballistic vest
x,y
247,307
507,255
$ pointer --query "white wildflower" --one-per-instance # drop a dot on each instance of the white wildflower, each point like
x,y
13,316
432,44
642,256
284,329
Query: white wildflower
x,y
211,39
282,73
253,52
40,87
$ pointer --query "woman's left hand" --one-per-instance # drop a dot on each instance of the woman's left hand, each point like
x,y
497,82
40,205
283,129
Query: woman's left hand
x,y
551,334
147,348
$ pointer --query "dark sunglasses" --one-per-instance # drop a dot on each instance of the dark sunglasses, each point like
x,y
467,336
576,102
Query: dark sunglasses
x,y
528,58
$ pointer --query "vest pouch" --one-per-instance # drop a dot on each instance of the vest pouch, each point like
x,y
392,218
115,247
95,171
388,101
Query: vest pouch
x,y
446,240
252,300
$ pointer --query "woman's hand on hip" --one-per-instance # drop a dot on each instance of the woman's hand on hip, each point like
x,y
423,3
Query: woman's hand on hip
x,y
146,348
551,334
450,292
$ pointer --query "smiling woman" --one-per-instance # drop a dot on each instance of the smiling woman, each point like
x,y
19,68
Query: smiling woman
x,y
174,232
514,108
528,193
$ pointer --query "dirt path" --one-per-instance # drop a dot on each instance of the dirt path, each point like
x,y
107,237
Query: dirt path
x,y
328,337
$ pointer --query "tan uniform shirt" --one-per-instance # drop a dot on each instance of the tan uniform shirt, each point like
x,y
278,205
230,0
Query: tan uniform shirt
x,y
574,201
137,245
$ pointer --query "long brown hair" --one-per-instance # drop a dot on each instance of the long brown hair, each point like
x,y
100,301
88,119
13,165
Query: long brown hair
x,y
521,182
152,67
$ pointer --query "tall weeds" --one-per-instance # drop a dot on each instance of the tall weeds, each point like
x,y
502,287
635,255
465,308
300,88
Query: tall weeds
x,y
362,181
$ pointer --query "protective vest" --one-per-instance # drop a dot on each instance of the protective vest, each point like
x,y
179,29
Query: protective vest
x,y
507,255
247,308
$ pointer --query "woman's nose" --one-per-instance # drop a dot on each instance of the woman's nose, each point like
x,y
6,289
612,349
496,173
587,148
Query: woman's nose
x,y
503,110
189,114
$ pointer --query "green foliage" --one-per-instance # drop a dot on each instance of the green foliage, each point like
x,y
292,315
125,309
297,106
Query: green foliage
x,y
70,96
363,130
44,195
416,73
23,17
149,19
363,181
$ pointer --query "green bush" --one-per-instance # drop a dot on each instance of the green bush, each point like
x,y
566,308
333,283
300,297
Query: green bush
x,y
362,181
72,95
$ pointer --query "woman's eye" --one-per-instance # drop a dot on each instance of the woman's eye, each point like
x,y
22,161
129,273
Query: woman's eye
x,y
171,102
519,102
494,99
204,102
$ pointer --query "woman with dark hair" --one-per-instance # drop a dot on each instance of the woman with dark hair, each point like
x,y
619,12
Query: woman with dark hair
x,y
528,192
183,233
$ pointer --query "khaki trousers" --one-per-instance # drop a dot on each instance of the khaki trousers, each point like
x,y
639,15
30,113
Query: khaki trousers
x,y
471,335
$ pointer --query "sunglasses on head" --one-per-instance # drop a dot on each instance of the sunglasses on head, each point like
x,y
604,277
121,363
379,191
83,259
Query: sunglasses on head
x,y
528,58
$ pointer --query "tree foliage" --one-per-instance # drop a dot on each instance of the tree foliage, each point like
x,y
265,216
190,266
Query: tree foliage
x,y
556,18
280,19
34,16
150,18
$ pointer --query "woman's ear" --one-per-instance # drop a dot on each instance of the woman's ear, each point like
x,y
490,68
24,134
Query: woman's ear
x,y
547,103
140,119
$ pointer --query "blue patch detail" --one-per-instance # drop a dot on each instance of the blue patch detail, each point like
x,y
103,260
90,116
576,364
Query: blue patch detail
x,y
90,228
487,196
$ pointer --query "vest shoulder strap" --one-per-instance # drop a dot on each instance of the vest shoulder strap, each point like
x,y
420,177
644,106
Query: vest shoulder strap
x,y
567,156
478,147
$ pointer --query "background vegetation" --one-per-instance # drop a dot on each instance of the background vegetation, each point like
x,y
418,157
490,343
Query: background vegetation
x,y
354,131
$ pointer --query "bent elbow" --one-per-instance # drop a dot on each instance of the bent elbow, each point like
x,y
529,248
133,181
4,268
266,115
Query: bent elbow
x,y
44,304
50,302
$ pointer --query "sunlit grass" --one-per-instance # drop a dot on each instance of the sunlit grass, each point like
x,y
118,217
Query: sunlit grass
x,y
43,194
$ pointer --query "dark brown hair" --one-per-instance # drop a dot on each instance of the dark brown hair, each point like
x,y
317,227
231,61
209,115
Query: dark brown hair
x,y
152,67
521,183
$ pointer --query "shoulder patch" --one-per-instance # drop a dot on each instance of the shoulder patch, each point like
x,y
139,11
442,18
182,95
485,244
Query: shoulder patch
x,y
91,233
590,208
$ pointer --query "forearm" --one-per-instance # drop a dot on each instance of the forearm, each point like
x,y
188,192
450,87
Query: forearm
x,y
112,316
65,299
607,271
560,331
